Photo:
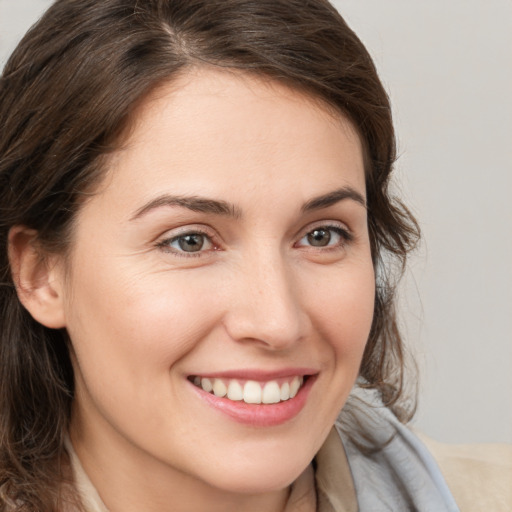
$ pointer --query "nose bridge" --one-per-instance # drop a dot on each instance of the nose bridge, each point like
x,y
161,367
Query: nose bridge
x,y
268,307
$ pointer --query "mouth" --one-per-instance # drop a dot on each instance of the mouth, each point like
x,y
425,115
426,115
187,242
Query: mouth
x,y
251,391
256,398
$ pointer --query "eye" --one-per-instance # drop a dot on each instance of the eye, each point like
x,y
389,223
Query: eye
x,y
192,243
325,236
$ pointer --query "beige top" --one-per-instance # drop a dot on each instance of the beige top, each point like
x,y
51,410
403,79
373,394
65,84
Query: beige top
x,y
479,476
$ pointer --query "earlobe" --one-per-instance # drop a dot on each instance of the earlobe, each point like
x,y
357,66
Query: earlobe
x,y
38,278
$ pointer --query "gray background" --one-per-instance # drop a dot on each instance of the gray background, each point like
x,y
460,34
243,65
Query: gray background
x,y
448,69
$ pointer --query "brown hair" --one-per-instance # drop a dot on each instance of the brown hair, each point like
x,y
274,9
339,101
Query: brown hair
x,y
66,94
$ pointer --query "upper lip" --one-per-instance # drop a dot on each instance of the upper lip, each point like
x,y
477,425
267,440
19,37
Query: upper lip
x,y
260,375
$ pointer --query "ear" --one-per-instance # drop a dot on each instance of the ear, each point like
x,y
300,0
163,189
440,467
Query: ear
x,y
38,279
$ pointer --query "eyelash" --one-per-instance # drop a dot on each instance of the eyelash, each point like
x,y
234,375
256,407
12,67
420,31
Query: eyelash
x,y
345,238
165,244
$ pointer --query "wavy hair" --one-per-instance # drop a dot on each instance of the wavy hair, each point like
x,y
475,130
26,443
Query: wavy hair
x,y
66,95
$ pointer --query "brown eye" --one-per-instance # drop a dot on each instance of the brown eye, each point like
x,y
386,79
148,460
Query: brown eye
x,y
319,237
326,236
193,242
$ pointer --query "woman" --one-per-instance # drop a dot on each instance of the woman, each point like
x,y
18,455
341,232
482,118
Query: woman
x,y
198,247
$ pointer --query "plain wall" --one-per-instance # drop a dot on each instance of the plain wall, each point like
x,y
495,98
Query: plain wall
x,y
448,69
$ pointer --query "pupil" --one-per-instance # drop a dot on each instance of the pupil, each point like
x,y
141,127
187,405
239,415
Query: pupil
x,y
319,237
191,243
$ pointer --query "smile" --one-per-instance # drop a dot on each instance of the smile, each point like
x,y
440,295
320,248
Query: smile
x,y
251,391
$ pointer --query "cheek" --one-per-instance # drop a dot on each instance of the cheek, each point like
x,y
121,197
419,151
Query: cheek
x,y
137,324
345,307
342,306
129,338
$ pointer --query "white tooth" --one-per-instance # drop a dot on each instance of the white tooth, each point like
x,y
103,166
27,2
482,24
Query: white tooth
x,y
219,388
197,381
271,393
252,392
285,391
235,391
294,386
206,384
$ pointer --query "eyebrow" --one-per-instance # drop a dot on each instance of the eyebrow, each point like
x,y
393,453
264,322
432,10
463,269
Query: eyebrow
x,y
223,208
194,203
331,198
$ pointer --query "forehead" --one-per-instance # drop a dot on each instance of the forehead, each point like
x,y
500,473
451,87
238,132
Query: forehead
x,y
218,132
220,93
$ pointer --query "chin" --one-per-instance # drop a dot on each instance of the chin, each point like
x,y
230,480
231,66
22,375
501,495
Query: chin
x,y
254,482
257,475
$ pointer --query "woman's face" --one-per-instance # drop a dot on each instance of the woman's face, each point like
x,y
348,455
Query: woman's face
x,y
227,247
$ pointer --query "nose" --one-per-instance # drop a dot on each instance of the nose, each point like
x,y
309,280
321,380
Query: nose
x,y
266,306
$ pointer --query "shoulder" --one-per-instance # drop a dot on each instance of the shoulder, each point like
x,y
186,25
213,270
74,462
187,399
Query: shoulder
x,y
478,475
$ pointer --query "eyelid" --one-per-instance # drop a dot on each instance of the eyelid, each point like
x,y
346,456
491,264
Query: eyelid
x,y
339,228
327,224
170,236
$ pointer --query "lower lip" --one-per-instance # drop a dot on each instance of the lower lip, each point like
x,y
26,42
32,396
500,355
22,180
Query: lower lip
x,y
259,415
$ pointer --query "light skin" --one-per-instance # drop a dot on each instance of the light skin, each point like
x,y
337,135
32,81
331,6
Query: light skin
x,y
270,184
